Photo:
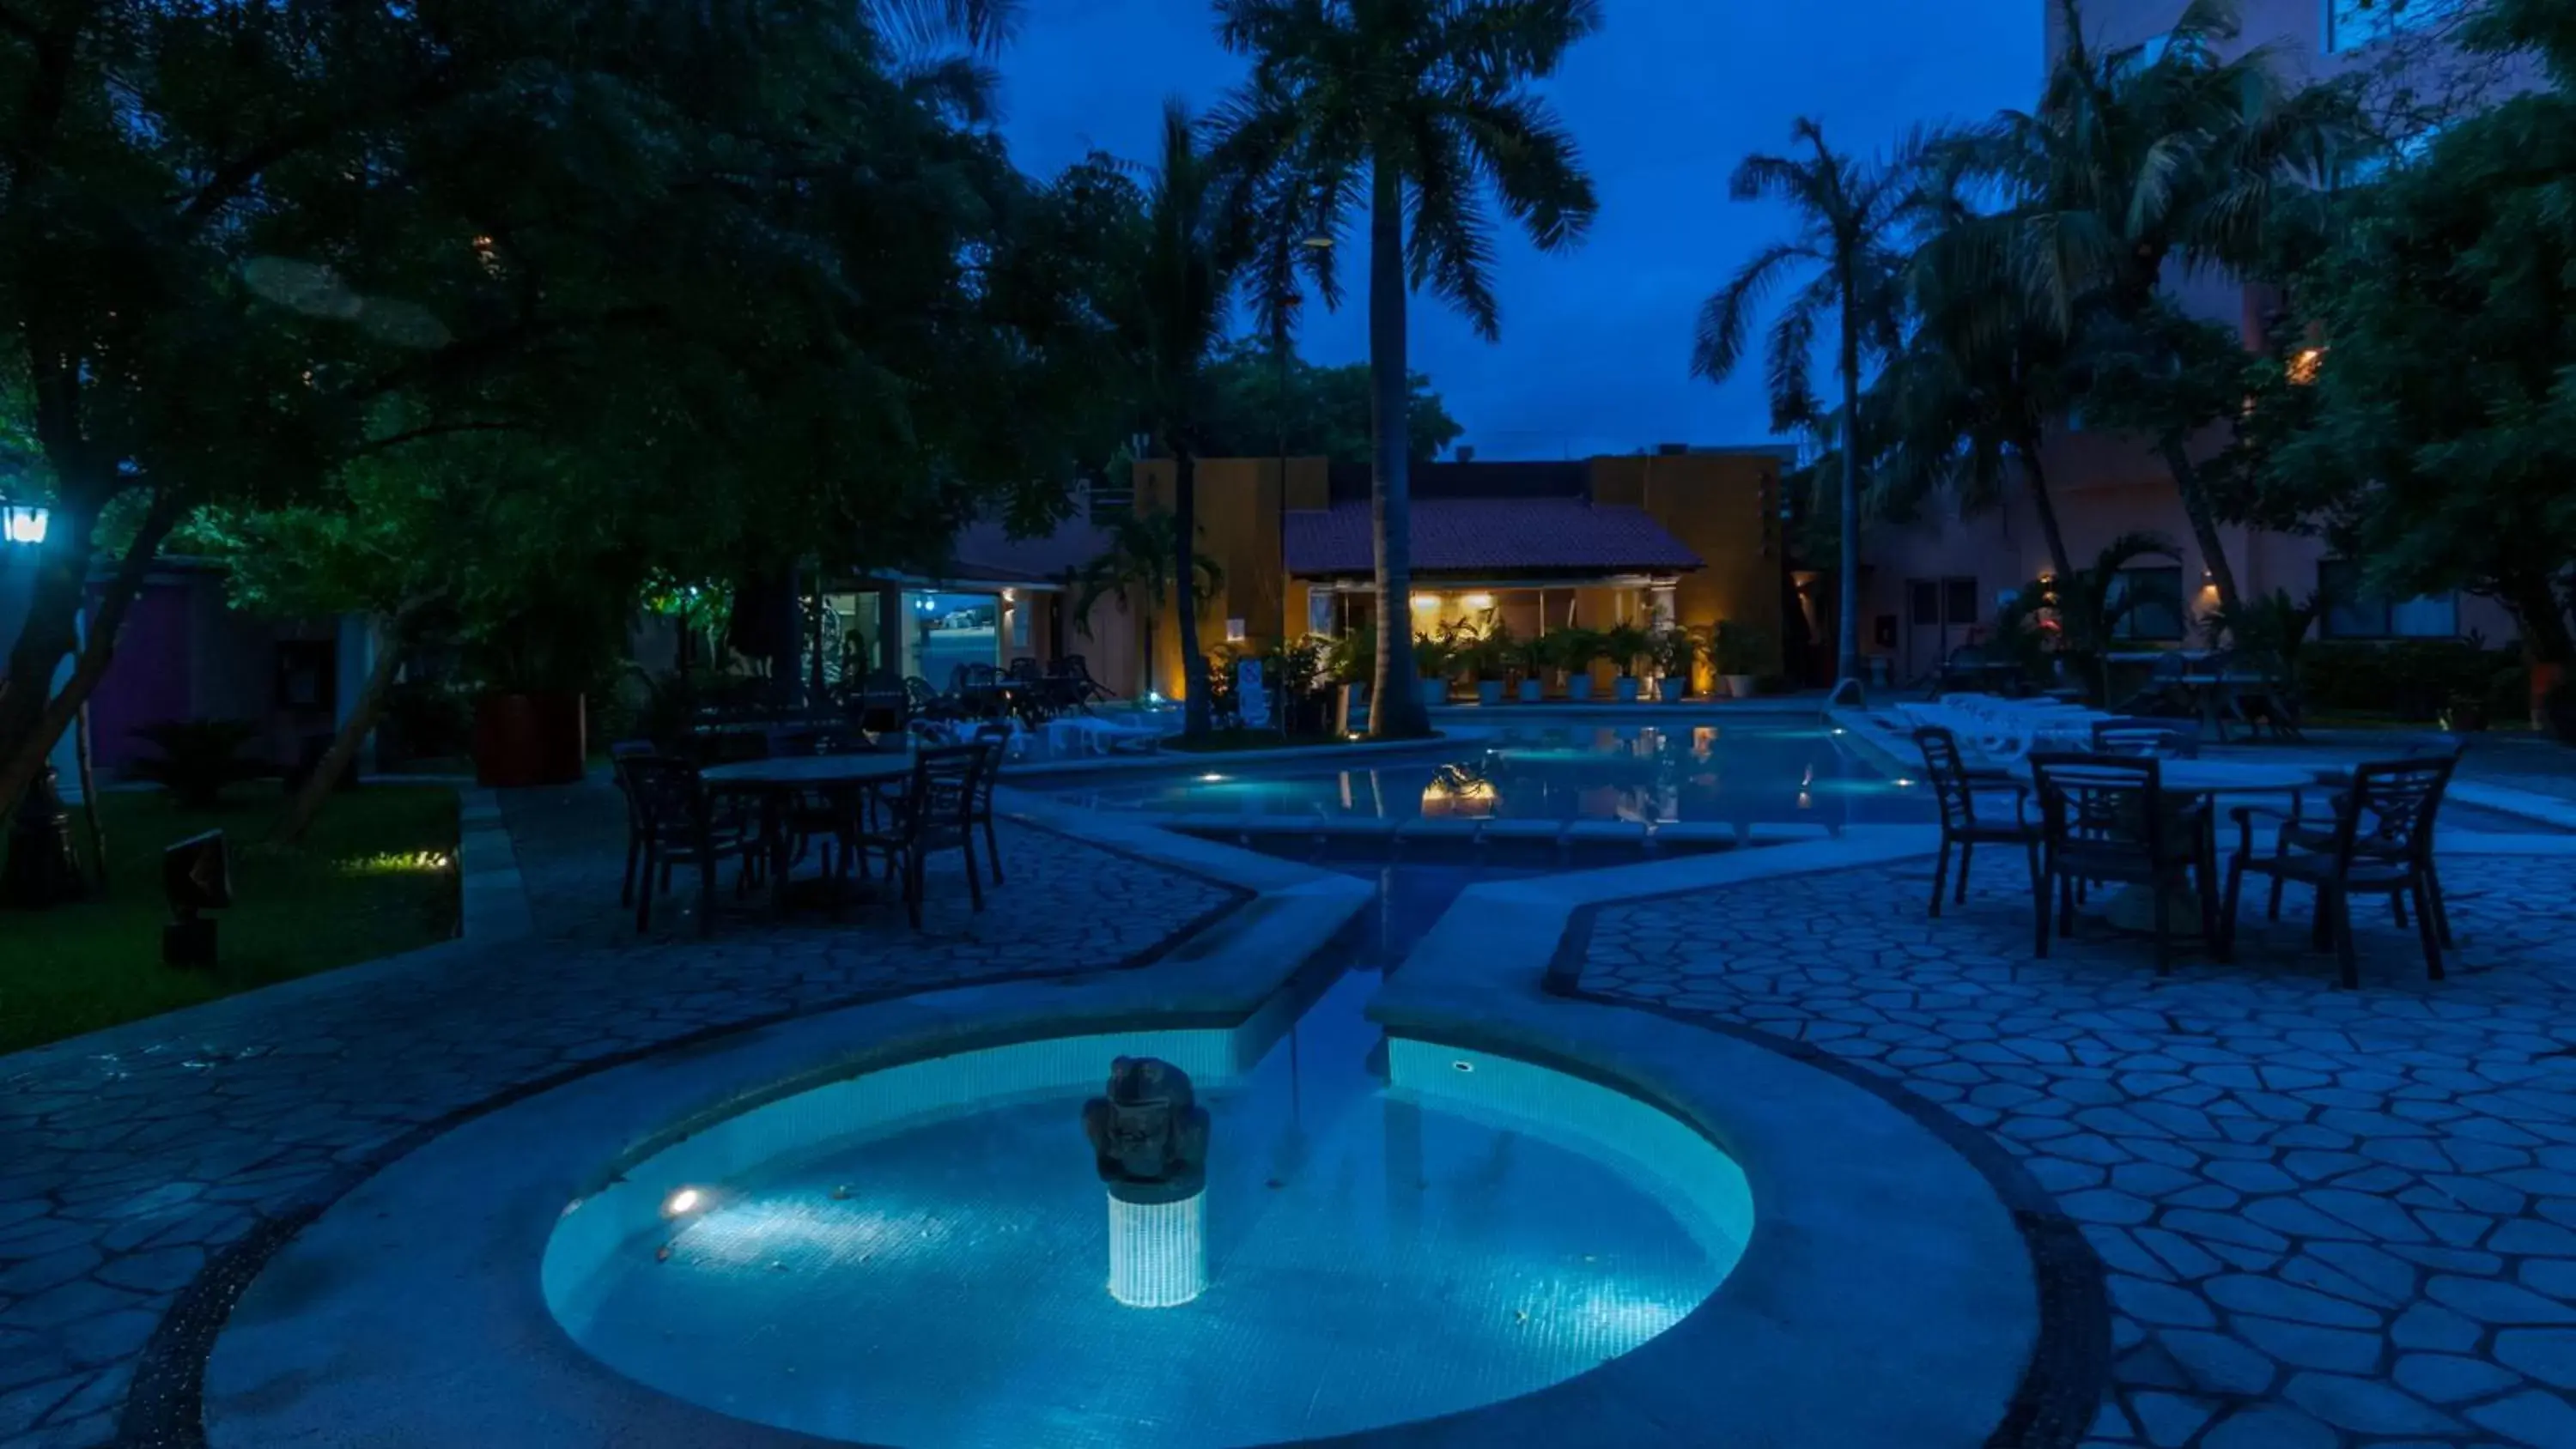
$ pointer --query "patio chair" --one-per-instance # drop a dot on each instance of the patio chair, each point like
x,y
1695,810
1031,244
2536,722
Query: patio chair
x,y
2165,739
996,742
928,703
2107,819
935,812
1955,786
678,823
2380,842
1086,689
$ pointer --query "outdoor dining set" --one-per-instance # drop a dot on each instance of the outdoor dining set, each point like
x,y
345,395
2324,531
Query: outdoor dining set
x,y
761,803
2129,804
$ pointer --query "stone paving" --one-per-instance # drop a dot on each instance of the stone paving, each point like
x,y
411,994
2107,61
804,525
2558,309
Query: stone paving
x,y
129,1158
2330,1219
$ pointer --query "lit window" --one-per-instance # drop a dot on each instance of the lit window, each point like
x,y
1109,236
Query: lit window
x,y
2304,364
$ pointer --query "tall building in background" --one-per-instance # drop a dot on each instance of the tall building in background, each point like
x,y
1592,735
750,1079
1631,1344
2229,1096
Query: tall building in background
x,y
1933,583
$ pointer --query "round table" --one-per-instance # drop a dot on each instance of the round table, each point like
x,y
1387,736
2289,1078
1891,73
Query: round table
x,y
777,781
809,772
2132,908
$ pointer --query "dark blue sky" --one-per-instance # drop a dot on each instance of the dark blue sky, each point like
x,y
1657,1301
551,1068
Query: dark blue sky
x,y
1665,99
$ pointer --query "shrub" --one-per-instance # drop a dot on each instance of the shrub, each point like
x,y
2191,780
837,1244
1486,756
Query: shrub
x,y
2414,679
199,758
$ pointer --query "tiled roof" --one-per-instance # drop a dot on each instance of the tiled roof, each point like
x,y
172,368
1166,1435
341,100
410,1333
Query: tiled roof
x,y
1497,535
986,552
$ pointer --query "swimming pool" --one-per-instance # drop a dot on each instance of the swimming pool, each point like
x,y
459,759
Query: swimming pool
x,y
1737,772
1389,1230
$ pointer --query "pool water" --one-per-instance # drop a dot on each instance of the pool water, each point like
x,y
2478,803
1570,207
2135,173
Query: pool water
x,y
924,1256
1735,773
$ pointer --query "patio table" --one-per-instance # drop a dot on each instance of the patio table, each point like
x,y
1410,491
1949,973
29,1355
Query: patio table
x,y
777,782
2132,907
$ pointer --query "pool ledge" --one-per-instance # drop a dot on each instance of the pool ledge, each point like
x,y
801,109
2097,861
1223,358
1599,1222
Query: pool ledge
x,y
1887,1296
410,1312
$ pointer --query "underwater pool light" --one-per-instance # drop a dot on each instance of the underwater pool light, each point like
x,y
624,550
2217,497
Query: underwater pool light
x,y
679,1204
1211,778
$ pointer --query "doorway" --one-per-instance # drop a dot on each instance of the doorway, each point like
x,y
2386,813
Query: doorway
x,y
1940,615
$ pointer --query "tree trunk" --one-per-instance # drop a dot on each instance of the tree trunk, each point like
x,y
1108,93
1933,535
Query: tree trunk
x,y
30,720
363,715
2548,647
1197,718
1395,704
1847,596
2204,530
2046,507
89,798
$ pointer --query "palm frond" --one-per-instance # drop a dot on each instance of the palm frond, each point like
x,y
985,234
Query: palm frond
x,y
1725,318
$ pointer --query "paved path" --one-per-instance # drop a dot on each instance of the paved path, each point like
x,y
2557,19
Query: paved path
x,y
128,1158
2329,1218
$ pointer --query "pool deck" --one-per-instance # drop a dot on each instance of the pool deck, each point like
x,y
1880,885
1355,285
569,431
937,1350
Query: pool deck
x,y
2325,1219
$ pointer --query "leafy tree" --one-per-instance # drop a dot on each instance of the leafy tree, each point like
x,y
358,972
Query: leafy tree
x,y
2089,603
1138,569
1851,216
243,247
2442,447
1263,401
1423,112
2130,165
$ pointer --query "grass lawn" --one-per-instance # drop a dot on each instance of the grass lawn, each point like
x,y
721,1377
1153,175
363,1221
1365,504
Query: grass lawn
x,y
376,875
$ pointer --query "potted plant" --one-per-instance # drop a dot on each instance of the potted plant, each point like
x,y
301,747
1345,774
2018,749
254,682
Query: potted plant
x,y
1739,658
1435,660
1489,656
1676,652
1530,657
1625,645
1573,650
536,665
1351,664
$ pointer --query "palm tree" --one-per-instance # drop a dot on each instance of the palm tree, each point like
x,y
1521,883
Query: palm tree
x,y
1851,216
1966,404
1421,112
2129,164
1138,569
1171,321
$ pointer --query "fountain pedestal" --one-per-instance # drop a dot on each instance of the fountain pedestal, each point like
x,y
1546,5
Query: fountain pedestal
x,y
1157,1250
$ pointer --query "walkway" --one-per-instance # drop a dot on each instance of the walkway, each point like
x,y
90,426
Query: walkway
x,y
2329,1218
130,1158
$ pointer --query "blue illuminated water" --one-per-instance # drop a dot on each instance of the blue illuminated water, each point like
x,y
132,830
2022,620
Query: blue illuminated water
x,y
1773,772
920,1257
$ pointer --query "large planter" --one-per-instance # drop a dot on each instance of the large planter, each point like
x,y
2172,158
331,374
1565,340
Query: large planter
x,y
1741,686
529,739
1671,688
1489,692
1530,691
1624,689
1435,693
1578,686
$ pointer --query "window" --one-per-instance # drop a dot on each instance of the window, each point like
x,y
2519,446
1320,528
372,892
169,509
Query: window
x,y
1959,601
2353,612
2352,24
1923,603
2147,603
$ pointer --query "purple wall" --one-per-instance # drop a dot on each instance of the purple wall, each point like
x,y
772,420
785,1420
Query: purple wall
x,y
149,680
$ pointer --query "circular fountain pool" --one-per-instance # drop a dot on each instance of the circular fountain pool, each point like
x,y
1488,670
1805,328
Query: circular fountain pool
x,y
925,1255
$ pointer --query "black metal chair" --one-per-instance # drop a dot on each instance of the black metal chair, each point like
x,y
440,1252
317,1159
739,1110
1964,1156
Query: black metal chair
x,y
1956,788
2107,819
935,812
2166,739
2380,842
995,741
679,824
618,752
